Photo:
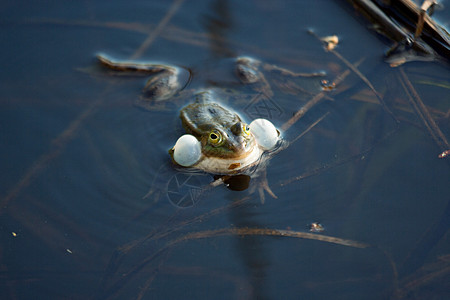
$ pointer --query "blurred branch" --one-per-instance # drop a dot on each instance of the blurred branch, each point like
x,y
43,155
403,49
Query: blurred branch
x,y
423,113
408,25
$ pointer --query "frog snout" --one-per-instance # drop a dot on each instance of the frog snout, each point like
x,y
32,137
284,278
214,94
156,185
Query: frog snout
x,y
240,144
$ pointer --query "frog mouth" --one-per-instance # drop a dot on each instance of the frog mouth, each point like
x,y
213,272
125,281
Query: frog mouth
x,y
223,166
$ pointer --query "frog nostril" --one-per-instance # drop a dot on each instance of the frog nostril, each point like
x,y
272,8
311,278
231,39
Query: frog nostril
x,y
236,129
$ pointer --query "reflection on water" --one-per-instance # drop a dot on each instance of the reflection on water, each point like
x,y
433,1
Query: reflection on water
x,y
92,206
218,23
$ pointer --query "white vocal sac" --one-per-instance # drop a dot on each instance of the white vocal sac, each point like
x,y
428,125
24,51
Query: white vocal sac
x,y
187,150
265,133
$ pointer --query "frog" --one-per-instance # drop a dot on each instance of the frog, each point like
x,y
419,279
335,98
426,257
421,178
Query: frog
x,y
217,141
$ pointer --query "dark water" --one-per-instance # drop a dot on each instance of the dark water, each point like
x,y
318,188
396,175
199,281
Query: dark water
x,y
86,203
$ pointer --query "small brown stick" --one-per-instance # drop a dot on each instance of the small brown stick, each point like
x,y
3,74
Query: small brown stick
x,y
267,232
423,112
419,26
427,4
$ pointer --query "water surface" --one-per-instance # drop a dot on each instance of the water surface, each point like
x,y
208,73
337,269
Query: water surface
x,y
86,209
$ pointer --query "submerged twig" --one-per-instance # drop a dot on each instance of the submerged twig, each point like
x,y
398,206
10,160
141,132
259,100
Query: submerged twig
x,y
267,232
422,112
286,72
422,277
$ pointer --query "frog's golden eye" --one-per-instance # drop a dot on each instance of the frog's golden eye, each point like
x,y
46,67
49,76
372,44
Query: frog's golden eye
x,y
245,129
215,137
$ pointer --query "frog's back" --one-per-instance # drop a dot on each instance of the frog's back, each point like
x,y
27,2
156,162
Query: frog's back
x,y
201,117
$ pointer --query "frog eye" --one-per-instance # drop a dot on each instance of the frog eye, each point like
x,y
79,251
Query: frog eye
x,y
245,129
215,137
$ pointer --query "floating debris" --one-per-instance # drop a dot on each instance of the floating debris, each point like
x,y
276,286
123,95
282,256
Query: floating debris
x,y
330,42
14,234
69,251
444,154
316,227
327,86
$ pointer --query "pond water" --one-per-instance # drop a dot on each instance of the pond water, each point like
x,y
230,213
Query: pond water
x,y
92,207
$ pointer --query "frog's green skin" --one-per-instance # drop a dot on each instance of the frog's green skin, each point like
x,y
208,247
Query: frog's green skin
x,y
227,144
